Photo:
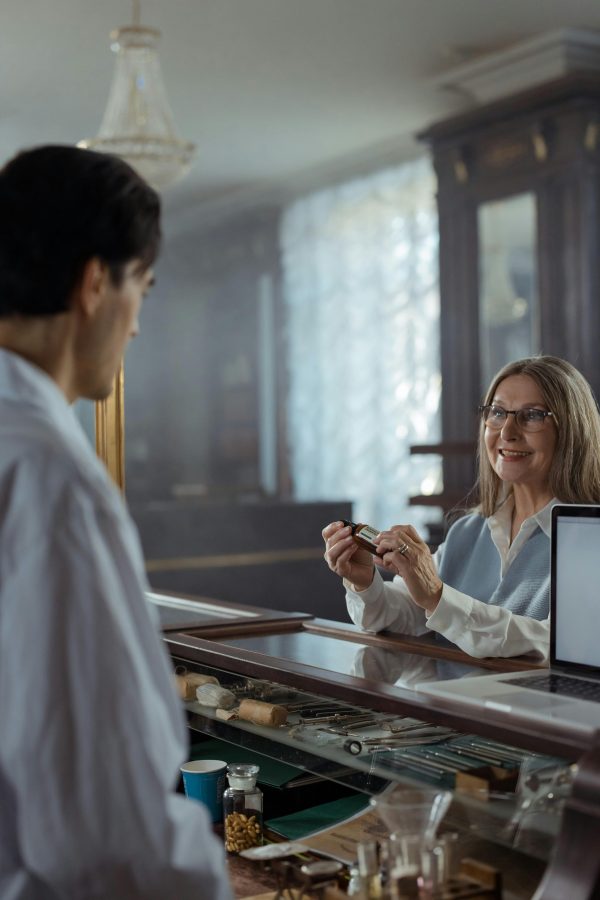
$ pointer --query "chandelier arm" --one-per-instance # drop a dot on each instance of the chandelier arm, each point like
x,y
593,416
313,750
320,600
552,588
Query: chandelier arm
x,y
136,16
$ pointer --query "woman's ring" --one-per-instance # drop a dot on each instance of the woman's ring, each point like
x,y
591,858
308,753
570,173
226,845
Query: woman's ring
x,y
402,550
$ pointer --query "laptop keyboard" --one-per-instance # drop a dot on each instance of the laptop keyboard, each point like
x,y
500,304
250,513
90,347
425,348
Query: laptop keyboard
x,y
560,684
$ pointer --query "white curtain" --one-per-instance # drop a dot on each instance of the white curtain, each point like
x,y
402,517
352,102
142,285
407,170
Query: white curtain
x,y
360,276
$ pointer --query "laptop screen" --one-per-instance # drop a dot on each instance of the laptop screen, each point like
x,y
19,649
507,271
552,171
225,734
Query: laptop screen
x,y
575,585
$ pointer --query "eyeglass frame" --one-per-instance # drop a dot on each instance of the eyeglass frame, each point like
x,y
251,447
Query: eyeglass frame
x,y
516,413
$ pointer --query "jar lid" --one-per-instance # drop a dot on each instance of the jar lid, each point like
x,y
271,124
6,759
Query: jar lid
x,y
321,867
242,776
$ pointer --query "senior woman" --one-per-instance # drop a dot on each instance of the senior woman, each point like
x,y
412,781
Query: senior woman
x,y
486,588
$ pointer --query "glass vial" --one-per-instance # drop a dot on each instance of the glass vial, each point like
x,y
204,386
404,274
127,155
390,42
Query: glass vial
x,y
242,808
363,535
368,867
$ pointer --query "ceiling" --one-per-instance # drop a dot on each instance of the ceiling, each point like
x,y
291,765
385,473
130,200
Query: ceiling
x,y
278,95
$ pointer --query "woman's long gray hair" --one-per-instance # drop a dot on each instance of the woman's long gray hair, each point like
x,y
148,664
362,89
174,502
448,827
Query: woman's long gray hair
x,y
574,475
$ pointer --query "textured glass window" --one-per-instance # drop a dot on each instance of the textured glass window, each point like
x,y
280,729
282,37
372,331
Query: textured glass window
x,y
360,266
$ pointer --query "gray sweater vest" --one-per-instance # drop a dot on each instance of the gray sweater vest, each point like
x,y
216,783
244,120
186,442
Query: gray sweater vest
x,y
470,563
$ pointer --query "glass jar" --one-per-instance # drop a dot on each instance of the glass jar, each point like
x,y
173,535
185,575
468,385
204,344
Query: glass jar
x,y
368,868
242,808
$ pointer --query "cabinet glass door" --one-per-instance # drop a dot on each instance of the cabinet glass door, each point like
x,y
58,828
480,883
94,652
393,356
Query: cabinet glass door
x,y
508,292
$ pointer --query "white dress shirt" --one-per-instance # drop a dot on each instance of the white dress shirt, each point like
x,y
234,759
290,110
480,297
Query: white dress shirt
x,y
92,734
478,628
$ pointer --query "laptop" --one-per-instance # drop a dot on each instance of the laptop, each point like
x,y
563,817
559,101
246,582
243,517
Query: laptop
x,y
569,691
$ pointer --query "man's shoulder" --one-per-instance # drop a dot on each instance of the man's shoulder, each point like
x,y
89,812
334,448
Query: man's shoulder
x,y
55,498
41,468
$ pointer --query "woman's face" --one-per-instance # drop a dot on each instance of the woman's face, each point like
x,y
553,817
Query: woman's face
x,y
521,457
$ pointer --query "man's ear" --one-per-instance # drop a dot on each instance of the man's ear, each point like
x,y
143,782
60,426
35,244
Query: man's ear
x,y
92,285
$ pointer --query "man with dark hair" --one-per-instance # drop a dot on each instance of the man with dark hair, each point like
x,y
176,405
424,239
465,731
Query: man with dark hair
x,y
91,733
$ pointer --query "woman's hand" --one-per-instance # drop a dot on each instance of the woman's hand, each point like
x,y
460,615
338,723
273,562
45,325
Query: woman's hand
x,y
405,553
346,558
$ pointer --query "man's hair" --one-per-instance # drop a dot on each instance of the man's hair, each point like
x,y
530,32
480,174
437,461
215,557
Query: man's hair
x,y
574,475
59,208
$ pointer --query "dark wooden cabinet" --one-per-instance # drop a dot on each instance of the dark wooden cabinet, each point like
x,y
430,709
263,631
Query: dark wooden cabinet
x,y
543,145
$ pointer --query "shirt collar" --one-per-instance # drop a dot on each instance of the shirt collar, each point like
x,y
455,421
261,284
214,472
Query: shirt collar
x,y
24,383
502,517
544,517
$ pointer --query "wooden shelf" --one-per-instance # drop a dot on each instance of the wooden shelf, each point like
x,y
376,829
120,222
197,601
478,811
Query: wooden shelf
x,y
445,500
445,448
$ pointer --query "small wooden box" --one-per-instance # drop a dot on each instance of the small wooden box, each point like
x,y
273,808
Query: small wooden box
x,y
483,781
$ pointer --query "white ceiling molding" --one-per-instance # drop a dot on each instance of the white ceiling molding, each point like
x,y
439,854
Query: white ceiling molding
x,y
526,64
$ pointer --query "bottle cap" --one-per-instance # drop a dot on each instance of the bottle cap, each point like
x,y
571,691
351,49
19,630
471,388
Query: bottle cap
x,y
242,776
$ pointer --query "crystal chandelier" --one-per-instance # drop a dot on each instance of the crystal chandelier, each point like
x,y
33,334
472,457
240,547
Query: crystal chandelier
x,y
137,123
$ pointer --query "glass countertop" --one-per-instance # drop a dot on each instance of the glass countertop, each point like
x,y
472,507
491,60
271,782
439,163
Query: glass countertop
x,y
351,658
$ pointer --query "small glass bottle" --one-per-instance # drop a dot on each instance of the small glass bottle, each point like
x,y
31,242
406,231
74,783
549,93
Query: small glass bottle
x,y
363,535
242,808
356,888
368,867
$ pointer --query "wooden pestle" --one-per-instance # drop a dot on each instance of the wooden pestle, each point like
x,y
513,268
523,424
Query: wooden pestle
x,y
262,713
187,684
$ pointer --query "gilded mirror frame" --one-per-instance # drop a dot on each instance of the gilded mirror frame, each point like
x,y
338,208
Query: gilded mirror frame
x,y
110,431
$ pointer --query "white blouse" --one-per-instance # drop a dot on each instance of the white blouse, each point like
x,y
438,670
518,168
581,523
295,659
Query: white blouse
x,y
479,629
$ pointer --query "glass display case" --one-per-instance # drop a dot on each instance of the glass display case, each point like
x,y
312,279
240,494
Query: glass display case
x,y
525,797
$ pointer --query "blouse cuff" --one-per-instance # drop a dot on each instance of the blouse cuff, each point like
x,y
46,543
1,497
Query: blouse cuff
x,y
452,614
370,594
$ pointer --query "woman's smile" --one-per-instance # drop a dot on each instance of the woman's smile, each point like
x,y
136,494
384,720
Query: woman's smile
x,y
507,454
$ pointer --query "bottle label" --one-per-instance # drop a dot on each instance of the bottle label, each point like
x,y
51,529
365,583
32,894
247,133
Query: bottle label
x,y
366,533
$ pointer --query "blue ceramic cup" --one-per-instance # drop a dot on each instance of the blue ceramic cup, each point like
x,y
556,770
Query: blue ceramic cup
x,y
204,780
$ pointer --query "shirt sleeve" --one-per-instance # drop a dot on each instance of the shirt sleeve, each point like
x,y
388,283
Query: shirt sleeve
x,y
93,734
477,628
482,629
385,605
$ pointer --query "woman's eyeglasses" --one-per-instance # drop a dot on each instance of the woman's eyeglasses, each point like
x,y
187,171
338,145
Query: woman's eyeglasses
x,y
528,419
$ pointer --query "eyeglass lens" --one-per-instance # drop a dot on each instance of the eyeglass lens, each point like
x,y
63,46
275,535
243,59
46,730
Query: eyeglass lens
x,y
527,419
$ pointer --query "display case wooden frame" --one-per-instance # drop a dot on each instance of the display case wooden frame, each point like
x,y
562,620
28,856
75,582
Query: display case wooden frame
x,y
216,646
194,615
574,869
